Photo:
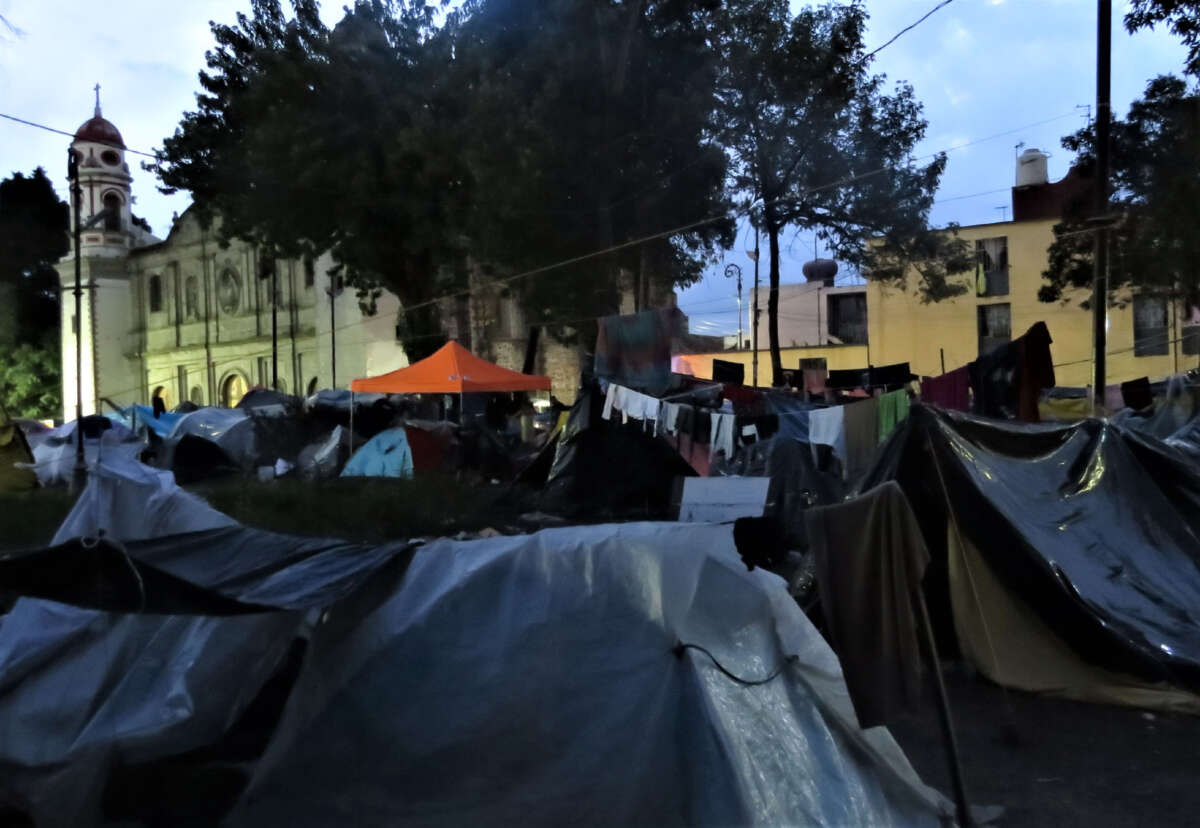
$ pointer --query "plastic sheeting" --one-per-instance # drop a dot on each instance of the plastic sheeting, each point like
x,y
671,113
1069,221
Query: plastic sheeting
x,y
54,452
1094,527
83,692
128,500
385,455
535,680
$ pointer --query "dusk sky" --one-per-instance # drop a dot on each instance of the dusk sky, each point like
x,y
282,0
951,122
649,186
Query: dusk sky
x,y
981,67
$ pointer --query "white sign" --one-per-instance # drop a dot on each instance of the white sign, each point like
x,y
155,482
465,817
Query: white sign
x,y
721,499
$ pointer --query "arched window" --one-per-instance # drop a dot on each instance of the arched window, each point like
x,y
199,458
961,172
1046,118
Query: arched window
x,y
112,212
191,297
233,388
155,290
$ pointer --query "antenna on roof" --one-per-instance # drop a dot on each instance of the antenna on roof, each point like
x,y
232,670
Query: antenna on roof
x,y
1004,211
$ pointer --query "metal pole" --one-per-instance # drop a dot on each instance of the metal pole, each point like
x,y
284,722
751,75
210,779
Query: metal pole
x,y
951,741
332,335
274,327
79,474
741,341
754,330
942,354
1100,257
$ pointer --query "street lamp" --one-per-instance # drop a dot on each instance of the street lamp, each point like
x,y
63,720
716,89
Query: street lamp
x,y
732,271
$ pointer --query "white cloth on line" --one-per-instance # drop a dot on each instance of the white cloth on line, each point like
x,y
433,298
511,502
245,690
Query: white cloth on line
x,y
827,427
670,417
609,398
721,435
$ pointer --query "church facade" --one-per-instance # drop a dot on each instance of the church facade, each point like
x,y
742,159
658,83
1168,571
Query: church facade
x,y
184,318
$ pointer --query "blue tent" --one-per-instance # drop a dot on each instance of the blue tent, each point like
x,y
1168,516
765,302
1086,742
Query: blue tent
x,y
387,454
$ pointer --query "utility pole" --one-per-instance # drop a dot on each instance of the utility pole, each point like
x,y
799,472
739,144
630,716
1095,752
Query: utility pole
x,y
1100,256
732,271
754,330
79,473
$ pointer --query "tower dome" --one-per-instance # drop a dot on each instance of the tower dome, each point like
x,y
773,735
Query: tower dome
x,y
99,130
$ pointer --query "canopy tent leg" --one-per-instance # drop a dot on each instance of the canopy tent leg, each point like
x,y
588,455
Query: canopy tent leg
x,y
351,422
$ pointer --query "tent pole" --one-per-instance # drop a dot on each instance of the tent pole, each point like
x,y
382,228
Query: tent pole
x,y
956,774
351,421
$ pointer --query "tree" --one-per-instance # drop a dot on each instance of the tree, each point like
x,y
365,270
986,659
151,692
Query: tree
x,y
307,139
1155,173
29,382
580,149
33,236
820,145
1181,16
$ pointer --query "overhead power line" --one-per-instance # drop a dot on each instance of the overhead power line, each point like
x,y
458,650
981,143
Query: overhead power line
x,y
72,134
906,29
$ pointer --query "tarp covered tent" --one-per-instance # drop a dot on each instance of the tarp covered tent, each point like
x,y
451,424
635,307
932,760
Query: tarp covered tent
x,y
211,441
85,694
483,682
540,680
605,468
54,452
14,450
385,455
1069,554
452,369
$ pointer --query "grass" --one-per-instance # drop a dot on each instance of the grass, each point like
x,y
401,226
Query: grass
x,y
364,509
28,520
356,509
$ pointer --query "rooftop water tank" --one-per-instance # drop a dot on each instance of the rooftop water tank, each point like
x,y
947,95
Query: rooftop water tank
x,y
1031,168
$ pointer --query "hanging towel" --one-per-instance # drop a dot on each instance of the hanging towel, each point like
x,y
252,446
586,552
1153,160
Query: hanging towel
x,y
893,408
862,436
722,435
827,427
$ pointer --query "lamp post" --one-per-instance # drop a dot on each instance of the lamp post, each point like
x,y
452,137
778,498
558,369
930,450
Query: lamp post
x,y
732,271
79,473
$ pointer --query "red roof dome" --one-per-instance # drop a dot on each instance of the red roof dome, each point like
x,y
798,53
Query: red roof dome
x,y
101,131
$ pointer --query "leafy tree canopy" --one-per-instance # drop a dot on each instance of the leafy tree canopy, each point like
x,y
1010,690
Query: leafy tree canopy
x,y
821,143
1182,17
1155,177
29,382
33,236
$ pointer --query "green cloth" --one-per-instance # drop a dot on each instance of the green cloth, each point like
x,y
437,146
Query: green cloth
x,y
893,407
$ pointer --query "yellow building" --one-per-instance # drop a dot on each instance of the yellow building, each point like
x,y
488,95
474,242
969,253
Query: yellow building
x,y
1148,336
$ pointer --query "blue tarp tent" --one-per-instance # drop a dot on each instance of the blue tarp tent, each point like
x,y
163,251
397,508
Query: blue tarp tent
x,y
387,454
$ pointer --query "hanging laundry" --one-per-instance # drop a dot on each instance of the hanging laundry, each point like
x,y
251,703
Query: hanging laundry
x,y
850,378
722,435
1008,381
893,408
951,391
889,376
862,436
827,427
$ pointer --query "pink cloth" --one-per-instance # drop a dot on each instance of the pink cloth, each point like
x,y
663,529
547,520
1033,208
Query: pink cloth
x,y
951,391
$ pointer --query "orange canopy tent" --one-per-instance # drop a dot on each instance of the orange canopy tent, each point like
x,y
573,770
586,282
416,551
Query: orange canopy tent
x,y
452,369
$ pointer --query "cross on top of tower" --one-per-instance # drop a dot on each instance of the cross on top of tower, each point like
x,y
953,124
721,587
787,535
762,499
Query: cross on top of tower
x,y
97,87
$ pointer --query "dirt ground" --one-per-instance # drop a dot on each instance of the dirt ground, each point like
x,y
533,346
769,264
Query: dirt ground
x,y
1061,763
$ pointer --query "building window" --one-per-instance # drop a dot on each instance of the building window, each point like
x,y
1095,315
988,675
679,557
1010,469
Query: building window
x,y
991,268
310,272
229,291
156,296
1191,340
233,388
112,212
848,318
191,297
995,326
1150,335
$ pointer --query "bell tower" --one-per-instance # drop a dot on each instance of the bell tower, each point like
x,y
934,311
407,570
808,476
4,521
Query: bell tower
x,y
105,183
